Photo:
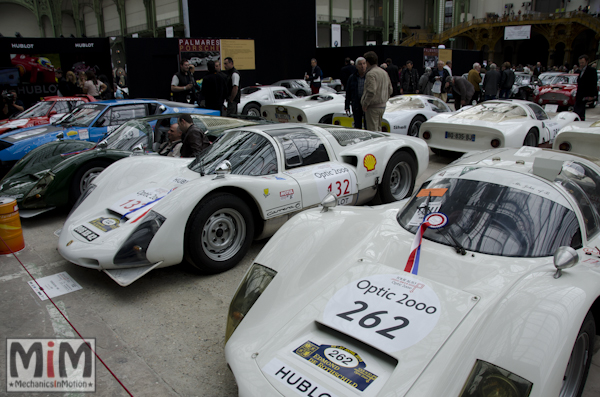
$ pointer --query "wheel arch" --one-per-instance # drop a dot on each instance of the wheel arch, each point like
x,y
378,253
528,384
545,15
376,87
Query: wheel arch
x,y
595,310
251,103
70,172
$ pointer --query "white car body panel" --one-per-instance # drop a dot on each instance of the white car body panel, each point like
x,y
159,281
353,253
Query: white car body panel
x,y
399,121
265,94
511,133
582,137
510,312
275,196
311,109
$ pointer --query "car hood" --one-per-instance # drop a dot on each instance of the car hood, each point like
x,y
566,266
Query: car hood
x,y
341,292
31,132
558,87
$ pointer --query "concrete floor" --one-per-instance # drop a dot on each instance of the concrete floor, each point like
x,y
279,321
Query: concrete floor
x,y
162,336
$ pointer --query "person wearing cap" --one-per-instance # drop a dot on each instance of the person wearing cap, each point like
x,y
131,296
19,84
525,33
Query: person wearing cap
x,y
462,88
194,140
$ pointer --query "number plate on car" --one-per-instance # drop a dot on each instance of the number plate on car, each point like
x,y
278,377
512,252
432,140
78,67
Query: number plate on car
x,y
460,136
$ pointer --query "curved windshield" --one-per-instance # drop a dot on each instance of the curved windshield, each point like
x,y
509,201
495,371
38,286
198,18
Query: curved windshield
x,y
40,109
522,80
249,154
513,216
564,80
494,112
129,135
404,103
83,115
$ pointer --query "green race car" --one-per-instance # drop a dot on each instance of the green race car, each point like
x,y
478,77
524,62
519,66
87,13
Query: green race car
x,y
55,174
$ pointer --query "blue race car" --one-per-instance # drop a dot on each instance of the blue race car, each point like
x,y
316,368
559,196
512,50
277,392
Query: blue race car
x,y
87,122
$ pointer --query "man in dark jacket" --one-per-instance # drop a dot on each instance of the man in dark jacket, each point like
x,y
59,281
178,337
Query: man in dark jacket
x,y
409,81
194,140
354,90
182,83
506,81
587,86
213,88
491,83
348,70
463,89
392,71
315,76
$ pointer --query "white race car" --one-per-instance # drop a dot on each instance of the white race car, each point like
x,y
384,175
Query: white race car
x,y
252,98
493,124
351,302
317,108
403,114
581,137
244,187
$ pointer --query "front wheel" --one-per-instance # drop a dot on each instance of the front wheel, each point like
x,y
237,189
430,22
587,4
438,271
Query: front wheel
x,y
84,176
398,178
328,119
415,125
580,360
252,109
219,233
531,139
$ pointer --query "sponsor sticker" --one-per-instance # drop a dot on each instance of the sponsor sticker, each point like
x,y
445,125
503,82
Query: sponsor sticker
x,y
336,179
71,133
179,180
86,233
84,134
295,380
338,361
146,198
266,193
286,194
105,224
369,162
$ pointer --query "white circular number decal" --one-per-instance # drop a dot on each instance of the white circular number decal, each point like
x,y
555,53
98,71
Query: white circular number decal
x,y
390,312
340,357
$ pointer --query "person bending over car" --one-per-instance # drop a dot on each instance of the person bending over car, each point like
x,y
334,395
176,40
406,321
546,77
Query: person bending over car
x,y
172,148
194,140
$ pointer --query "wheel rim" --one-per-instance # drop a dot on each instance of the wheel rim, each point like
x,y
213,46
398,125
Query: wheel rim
x,y
300,93
530,140
223,234
576,367
88,177
400,180
253,112
414,130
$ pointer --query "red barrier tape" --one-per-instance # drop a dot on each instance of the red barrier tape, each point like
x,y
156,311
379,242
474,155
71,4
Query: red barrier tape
x,y
65,317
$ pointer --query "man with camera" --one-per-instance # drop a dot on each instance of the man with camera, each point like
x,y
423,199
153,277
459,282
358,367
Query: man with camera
x,y
11,105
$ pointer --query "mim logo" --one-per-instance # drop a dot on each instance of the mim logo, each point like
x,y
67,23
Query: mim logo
x,y
50,365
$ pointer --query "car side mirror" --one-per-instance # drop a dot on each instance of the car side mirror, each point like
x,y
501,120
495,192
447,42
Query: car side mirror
x,y
102,144
138,148
60,136
53,112
224,168
329,201
100,122
564,258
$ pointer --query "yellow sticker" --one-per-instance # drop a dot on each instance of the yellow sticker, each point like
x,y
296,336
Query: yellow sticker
x,y
71,133
369,162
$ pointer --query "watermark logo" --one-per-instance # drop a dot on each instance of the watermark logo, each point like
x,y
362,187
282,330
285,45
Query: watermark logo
x,y
50,365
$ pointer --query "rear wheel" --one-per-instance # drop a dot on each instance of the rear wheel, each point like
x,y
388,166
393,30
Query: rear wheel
x,y
300,93
84,177
580,360
326,119
399,178
415,125
252,109
531,139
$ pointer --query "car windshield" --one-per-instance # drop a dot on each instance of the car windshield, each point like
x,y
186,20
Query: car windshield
x,y
564,80
40,109
405,102
495,212
249,154
129,135
83,115
545,80
522,80
494,112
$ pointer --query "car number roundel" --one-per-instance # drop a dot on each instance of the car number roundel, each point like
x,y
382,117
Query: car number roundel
x,y
390,312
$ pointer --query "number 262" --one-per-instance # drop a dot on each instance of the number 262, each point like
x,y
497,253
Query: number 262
x,y
372,320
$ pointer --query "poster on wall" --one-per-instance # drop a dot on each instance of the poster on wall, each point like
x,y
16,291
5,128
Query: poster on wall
x,y
241,51
430,57
444,55
336,35
522,32
200,51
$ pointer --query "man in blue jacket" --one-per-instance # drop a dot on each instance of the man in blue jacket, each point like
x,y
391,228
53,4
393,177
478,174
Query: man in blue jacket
x,y
354,90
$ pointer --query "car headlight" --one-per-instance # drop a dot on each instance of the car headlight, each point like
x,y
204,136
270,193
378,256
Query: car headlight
x,y
133,250
488,380
254,284
36,193
81,198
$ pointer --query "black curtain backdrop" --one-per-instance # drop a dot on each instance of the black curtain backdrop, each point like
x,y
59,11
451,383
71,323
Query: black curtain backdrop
x,y
151,64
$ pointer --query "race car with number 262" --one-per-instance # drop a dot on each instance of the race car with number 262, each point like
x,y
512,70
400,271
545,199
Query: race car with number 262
x,y
243,187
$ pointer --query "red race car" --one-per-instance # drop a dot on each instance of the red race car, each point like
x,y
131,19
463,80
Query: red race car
x,y
34,69
561,91
50,109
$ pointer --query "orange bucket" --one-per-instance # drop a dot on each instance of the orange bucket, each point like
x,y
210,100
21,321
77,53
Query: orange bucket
x,y
10,226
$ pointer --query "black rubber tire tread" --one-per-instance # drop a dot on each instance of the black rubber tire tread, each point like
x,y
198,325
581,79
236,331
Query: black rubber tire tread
x,y
418,117
533,132
589,327
251,106
74,192
384,191
328,119
195,256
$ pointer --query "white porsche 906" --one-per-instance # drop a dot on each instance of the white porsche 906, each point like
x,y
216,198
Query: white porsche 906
x,y
252,98
582,138
245,186
350,301
317,108
493,124
403,114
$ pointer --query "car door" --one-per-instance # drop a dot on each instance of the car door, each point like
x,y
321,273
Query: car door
x,y
310,161
549,126
113,117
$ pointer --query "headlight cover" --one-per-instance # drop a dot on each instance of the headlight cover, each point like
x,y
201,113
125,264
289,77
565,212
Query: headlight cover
x,y
488,380
254,284
133,250
36,193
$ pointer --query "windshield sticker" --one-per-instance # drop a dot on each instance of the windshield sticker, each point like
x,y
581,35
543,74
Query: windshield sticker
x,y
286,194
105,224
527,151
295,380
369,162
342,363
417,218
436,220
86,233
335,179
433,192
71,133
389,312
537,189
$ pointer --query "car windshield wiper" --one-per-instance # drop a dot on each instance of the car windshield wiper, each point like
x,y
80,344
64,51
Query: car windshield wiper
x,y
454,243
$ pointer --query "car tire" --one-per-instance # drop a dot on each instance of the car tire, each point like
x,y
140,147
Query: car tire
x,y
252,109
220,216
415,125
532,138
326,119
580,360
300,93
399,178
84,177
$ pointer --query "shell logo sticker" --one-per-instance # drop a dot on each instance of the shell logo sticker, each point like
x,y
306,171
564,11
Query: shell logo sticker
x,y
71,133
369,162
